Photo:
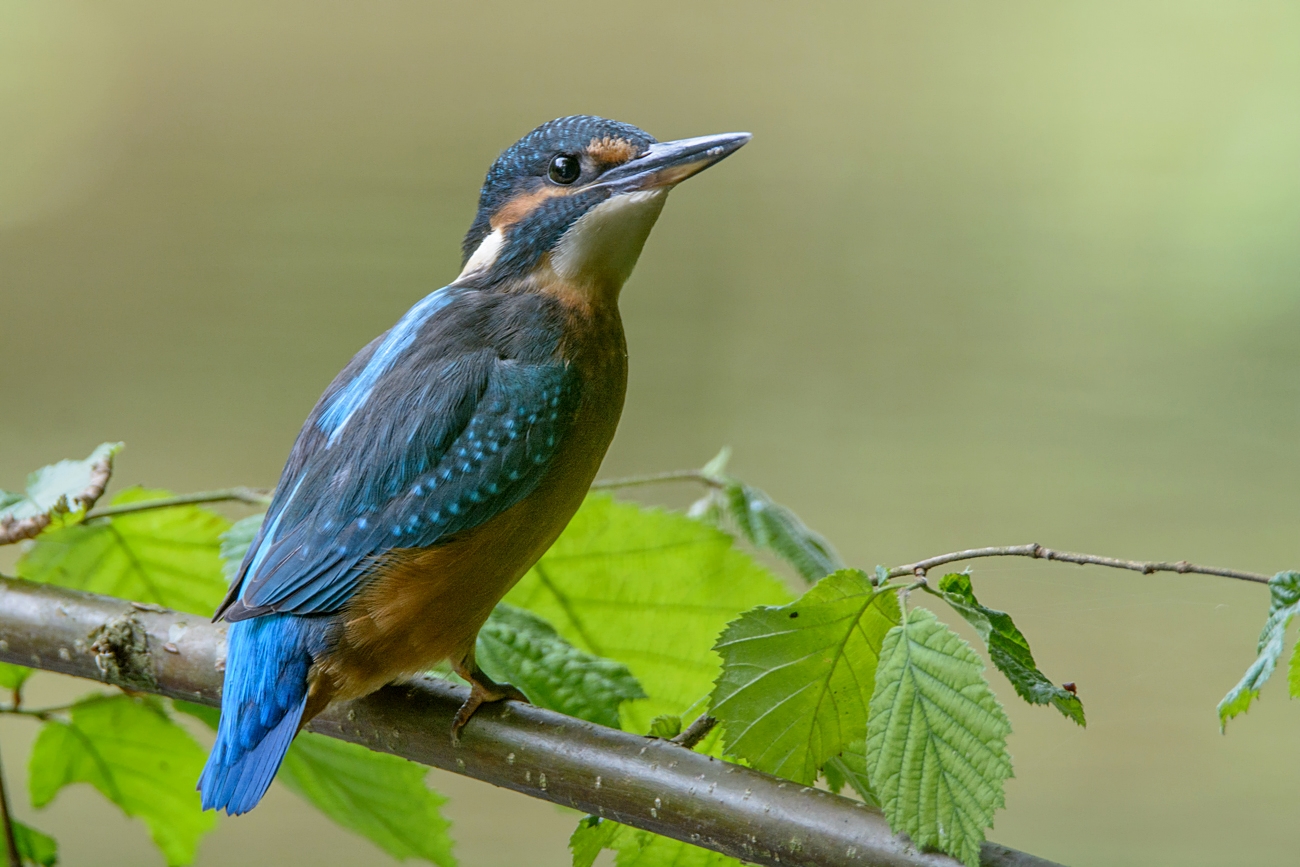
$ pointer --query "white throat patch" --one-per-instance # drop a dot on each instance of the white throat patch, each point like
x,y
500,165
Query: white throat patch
x,y
602,247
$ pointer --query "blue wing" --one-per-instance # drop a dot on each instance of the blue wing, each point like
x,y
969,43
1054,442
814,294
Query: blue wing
x,y
450,418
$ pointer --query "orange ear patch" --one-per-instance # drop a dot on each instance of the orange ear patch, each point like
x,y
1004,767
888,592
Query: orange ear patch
x,y
524,204
610,151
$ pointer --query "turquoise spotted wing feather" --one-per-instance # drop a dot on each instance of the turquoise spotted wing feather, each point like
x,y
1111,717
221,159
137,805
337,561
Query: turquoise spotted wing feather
x,y
370,473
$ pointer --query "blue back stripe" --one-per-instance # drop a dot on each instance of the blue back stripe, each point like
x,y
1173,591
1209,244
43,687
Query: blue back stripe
x,y
268,538
352,396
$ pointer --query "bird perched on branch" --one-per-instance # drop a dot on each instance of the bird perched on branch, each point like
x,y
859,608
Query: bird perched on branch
x,y
450,452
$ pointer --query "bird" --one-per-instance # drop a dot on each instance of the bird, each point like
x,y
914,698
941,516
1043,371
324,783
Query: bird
x,y
450,452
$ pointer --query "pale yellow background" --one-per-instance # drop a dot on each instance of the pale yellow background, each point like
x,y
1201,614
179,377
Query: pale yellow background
x,y
988,274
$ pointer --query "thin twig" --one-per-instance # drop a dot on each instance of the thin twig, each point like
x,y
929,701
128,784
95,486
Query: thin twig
x,y
921,567
1038,552
657,478
251,496
696,731
44,714
11,842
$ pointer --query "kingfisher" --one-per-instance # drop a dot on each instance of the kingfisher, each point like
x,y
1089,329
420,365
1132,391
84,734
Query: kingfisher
x,y
450,452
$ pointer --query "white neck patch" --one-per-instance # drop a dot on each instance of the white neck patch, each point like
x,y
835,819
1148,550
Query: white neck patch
x,y
484,256
602,247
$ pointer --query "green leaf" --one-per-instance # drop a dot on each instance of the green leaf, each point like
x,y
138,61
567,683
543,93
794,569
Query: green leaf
x,y
638,848
137,757
851,767
379,796
797,680
716,468
235,542
12,677
62,487
1008,648
767,524
521,648
593,835
764,522
833,774
166,556
1284,602
210,716
68,487
1293,672
648,588
34,846
643,849
936,738
666,726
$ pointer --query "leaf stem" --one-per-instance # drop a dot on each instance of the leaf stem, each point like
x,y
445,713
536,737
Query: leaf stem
x,y
1038,552
696,731
251,496
11,842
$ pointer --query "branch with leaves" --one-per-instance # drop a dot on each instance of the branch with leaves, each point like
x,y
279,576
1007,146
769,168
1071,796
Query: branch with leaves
x,y
645,783
819,690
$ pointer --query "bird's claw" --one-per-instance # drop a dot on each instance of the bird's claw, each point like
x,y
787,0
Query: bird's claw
x,y
483,691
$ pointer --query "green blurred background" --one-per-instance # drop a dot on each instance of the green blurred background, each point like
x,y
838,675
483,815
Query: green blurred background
x,y
988,274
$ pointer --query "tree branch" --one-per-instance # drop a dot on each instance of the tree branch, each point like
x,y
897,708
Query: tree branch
x,y
1038,552
643,782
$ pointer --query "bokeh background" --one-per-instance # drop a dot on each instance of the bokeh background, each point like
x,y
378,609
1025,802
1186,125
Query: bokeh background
x,y
988,274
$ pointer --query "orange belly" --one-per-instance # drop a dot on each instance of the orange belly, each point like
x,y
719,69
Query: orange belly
x,y
425,605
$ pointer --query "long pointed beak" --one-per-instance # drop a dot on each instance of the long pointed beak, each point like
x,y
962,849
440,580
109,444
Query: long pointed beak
x,y
668,163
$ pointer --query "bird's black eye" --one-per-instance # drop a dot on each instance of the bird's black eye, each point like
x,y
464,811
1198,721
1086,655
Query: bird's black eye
x,y
565,169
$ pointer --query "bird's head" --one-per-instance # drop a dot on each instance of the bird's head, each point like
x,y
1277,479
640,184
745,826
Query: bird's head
x,y
573,201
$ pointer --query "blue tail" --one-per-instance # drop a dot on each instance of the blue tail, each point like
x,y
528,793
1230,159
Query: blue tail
x,y
267,663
